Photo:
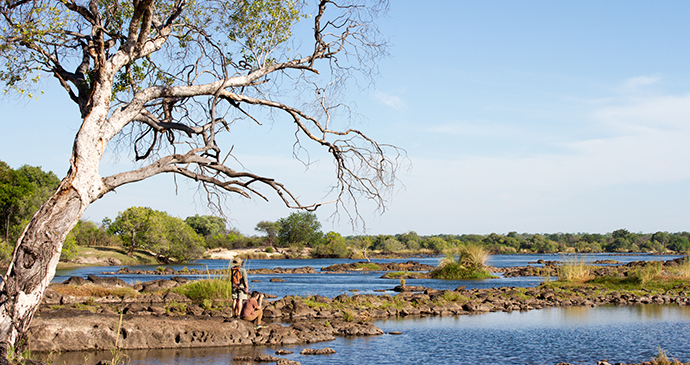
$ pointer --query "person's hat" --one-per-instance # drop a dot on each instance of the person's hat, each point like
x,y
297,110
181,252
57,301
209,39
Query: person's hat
x,y
237,261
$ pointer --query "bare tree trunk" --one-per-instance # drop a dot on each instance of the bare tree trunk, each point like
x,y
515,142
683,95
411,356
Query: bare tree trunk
x,y
38,249
34,262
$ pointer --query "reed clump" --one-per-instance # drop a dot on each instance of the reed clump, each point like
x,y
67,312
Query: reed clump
x,y
211,289
574,268
683,269
470,264
663,359
649,272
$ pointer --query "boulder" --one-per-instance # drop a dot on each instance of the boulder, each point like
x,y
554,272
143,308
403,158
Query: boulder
x,y
110,282
301,310
323,351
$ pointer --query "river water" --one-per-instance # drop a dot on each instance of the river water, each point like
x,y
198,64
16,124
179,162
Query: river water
x,y
574,334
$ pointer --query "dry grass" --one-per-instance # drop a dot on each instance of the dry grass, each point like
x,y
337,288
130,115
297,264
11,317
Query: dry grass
x,y
93,291
472,255
683,269
650,271
662,359
574,268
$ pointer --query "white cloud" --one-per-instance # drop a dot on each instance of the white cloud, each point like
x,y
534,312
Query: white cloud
x,y
390,100
635,82
594,185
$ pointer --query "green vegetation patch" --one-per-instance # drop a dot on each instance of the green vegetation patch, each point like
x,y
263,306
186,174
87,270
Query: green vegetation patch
x,y
452,296
208,289
455,271
311,303
633,284
368,266
396,274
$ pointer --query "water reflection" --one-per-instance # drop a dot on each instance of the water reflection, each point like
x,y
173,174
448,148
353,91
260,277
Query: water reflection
x,y
629,334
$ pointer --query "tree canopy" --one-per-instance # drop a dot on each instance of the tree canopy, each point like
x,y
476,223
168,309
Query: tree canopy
x,y
300,228
169,238
22,191
169,80
206,225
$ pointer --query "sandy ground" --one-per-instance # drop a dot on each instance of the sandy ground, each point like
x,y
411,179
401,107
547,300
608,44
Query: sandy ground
x,y
225,254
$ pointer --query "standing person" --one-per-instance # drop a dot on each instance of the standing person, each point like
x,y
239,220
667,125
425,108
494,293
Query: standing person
x,y
252,311
239,286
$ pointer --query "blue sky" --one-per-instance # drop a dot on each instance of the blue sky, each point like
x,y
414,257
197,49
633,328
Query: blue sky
x,y
535,116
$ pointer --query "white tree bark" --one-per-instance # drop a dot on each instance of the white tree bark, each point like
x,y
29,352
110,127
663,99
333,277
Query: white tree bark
x,y
160,105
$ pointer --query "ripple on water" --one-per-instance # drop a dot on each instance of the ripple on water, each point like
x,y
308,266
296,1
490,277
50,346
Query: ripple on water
x,y
572,334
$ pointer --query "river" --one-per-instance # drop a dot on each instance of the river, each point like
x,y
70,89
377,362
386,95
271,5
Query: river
x,y
548,336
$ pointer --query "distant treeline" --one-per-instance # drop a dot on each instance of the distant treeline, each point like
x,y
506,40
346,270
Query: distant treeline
x,y
172,239
620,240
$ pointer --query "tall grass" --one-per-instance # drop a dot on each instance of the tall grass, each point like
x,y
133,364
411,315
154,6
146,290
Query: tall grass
x,y
209,289
573,268
649,271
472,255
470,263
662,359
683,269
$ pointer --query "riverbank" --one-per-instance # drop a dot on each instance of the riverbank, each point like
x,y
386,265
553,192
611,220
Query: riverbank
x,y
95,303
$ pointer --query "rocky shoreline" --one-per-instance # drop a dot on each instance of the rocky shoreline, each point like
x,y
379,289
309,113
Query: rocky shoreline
x,y
157,317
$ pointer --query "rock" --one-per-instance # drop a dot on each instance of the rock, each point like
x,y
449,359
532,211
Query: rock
x,y
158,310
323,351
272,312
409,288
241,359
74,280
276,280
287,362
109,282
156,285
266,358
283,352
51,297
174,297
394,333
301,310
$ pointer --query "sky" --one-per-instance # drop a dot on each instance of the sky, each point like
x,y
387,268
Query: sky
x,y
535,117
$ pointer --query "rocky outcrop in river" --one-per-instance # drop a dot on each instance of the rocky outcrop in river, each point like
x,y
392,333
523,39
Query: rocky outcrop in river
x,y
161,318
378,266
74,330
170,271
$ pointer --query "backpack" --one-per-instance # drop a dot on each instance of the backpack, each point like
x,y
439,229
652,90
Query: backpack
x,y
236,277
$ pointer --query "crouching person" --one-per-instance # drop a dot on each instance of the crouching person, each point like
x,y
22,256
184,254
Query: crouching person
x,y
252,311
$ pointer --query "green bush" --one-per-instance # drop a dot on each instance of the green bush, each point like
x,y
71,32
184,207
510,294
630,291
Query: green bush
x,y
208,289
455,271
